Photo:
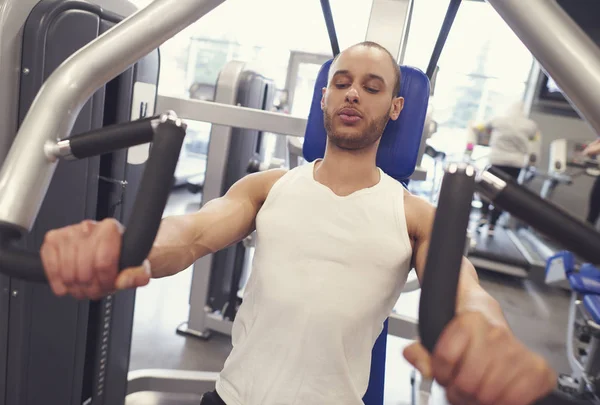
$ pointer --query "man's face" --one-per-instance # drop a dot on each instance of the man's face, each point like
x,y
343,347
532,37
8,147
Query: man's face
x,y
358,101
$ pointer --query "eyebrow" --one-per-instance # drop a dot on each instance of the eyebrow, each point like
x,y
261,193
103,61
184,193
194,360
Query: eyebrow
x,y
370,75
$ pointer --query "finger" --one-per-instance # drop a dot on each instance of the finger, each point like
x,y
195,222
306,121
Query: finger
x,y
108,249
49,256
449,350
143,277
419,357
471,370
533,381
68,252
134,277
85,258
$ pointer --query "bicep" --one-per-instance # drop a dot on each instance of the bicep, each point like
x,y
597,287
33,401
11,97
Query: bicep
x,y
422,238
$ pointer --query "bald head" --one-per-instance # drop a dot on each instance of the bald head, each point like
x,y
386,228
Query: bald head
x,y
396,79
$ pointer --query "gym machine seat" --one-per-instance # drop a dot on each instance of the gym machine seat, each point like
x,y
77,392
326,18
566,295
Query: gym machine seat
x,y
591,303
584,285
396,156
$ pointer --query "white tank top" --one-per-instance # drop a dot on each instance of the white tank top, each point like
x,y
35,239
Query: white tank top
x,y
327,272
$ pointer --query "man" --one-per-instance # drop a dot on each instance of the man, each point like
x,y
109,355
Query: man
x,y
511,138
336,239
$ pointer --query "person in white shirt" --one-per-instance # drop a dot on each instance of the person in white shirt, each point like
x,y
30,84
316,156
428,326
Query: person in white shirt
x,y
336,239
511,135
593,150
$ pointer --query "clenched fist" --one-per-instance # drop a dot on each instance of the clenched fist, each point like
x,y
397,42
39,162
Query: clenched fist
x,y
83,260
483,364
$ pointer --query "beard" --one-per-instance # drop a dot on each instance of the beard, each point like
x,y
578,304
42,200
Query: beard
x,y
351,138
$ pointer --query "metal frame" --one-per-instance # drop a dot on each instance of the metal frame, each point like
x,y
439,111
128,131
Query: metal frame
x,y
69,88
389,25
171,381
296,59
218,151
562,48
564,51
229,115
584,369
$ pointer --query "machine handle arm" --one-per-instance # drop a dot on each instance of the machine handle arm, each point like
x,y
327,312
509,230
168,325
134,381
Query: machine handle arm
x,y
572,233
562,48
143,225
446,247
105,140
27,170
442,268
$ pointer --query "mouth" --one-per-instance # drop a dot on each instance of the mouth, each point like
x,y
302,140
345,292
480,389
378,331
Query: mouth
x,y
349,115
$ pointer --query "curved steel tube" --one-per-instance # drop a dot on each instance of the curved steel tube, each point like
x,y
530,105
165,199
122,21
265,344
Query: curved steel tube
x,y
563,49
27,171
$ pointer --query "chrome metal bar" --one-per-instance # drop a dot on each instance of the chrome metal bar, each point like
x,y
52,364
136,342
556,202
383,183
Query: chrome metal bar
x,y
390,13
563,49
59,150
403,326
234,116
171,381
27,171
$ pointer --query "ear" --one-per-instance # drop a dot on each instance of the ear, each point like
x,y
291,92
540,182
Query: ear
x,y
323,91
396,108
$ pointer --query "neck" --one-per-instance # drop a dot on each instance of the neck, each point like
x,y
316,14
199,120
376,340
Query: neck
x,y
346,171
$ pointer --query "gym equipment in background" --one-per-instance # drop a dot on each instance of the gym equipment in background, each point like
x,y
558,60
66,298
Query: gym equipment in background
x,y
88,341
439,289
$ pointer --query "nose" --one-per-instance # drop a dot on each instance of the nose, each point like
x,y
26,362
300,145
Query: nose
x,y
352,95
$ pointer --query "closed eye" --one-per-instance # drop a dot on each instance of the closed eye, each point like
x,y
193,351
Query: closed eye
x,y
371,90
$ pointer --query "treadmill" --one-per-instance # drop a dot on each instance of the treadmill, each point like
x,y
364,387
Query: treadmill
x,y
504,253
518,250
508,251
564,155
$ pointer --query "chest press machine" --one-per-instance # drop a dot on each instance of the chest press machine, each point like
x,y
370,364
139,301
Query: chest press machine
x,y
32,160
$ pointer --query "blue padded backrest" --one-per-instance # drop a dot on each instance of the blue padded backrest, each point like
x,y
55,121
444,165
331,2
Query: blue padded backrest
x,y
399,147
375,390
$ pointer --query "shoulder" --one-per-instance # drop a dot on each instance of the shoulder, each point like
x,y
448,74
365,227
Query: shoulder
x,y
267,179
256,186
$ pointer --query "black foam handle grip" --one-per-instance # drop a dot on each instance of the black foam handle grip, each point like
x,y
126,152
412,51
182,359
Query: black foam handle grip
x,y
142,227
22,264
447,245
112,138
151,198
570,232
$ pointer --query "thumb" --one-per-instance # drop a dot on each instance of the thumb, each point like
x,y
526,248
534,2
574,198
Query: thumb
x,y
419,357
134,276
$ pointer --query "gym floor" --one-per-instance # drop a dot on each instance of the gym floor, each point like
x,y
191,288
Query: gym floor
x,y
537,314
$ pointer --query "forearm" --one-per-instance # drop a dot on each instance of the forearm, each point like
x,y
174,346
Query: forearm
x,y
174,249
471,297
